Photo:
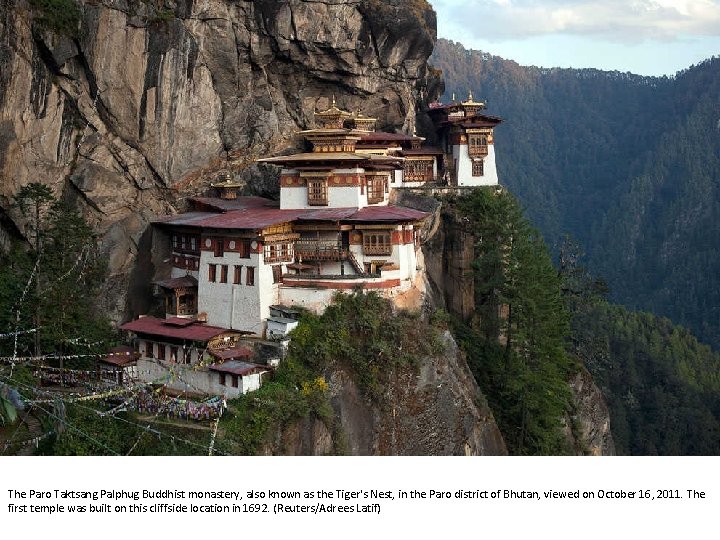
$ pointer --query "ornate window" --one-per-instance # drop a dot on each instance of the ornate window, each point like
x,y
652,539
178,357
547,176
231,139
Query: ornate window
x,y
477,145
317,191
478,167
278,252
376,243
416,170
375,189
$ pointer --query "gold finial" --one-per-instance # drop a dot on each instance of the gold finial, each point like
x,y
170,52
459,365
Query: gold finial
x,y
470,98
453,97
414,131
333,101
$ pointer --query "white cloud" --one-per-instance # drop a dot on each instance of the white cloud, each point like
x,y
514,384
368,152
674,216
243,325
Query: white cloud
x,y
625,21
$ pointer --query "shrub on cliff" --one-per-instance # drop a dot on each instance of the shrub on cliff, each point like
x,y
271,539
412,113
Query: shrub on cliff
x,y
60,16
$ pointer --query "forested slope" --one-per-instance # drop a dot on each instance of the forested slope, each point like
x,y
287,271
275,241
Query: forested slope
x,y
628,165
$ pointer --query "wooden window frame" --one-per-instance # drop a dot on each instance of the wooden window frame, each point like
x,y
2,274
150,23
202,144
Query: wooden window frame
x,y
237,274
477,144
478,167
250,276
161,352
375,189
149,349
277,273
223,273
317,191
235,381
223,382
219,247
243,247
212,273
278,252
377,243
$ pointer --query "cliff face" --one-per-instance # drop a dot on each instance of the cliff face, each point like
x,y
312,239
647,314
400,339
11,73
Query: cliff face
x,y
433,409
142,104
588,427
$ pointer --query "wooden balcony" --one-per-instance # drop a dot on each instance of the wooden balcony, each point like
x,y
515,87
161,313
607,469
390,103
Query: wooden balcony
x,y
317,250
478,150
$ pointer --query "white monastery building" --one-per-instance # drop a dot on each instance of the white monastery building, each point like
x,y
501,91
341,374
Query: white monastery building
x,y
239,265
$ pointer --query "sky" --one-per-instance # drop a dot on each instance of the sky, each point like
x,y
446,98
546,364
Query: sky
x,y
647,37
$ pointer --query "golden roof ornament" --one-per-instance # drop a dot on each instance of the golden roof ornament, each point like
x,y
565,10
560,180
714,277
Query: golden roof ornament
x,y
471,102
333,117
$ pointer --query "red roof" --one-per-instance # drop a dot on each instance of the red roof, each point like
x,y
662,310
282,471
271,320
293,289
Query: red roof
x,y
159,327
327,214
179,321
260,218
232,352
120,356
388,213
247,219
236,367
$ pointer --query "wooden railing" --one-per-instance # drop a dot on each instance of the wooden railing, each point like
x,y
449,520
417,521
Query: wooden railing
x,y
319,250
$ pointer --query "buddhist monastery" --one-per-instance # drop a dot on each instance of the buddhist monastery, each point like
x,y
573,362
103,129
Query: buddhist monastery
x,y
238,266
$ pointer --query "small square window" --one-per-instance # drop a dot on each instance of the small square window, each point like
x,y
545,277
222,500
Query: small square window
x,y
478,167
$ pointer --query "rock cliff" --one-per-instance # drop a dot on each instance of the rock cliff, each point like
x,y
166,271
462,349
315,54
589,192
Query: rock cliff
x,y
134,104
435,408
588,427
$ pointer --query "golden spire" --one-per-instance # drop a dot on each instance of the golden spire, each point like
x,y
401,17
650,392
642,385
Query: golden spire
x,y
453,97
470,98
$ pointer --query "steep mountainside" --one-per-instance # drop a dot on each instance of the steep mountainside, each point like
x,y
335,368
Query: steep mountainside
x,y
628,165
124,105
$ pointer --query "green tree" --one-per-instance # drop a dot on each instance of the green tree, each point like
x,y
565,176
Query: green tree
x,y
51,286
516,339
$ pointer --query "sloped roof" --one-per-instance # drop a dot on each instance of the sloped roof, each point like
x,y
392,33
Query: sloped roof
x,y
387,213
236,367
183,282
159,327
232,352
